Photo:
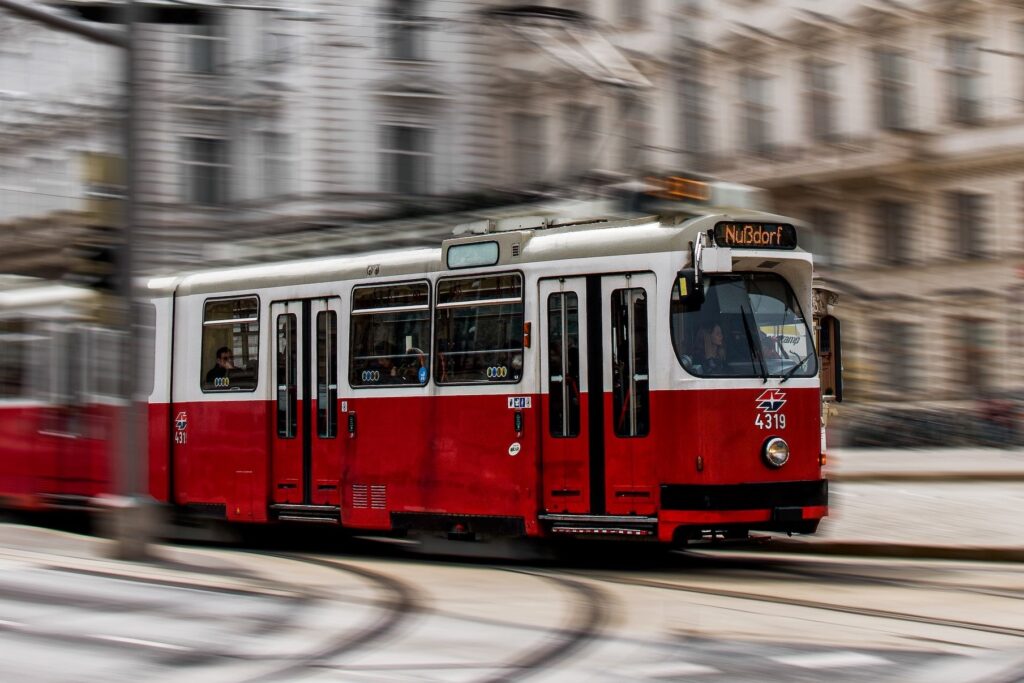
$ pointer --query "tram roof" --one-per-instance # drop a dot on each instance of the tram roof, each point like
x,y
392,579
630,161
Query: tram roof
x,y
577,239
38,295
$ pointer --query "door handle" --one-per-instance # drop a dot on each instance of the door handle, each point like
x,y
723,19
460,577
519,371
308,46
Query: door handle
x,y
352,425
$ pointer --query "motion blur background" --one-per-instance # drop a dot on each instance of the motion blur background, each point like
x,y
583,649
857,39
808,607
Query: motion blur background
x,y
314,127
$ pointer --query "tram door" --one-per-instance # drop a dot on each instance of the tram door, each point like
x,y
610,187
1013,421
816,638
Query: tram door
x,y
565,444
306,453
627,330
595,366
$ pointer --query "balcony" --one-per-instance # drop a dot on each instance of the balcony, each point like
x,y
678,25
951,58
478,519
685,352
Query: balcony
x,y
848,159
255,91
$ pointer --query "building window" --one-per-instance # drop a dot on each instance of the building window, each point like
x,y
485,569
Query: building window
x,y
407,159
205,165
631,12
891,89
892,221
755,113
692,95
633,123
974,354
821,99
581,131
967,228
826,236
528,147
204,50
404,28
964,79
901,375
277,164
278,47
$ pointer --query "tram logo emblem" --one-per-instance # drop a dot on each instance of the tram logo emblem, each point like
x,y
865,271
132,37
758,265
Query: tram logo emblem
x,y
181,421
771,401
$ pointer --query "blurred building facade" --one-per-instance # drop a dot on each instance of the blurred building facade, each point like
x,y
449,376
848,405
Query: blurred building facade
x,y
60,105
289,118
894,126
317,118
897,129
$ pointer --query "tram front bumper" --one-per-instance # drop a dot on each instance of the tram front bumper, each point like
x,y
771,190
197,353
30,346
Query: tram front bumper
x,y
691,509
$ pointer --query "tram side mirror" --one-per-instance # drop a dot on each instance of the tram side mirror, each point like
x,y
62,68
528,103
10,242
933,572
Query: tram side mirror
x,y
691,294
830,354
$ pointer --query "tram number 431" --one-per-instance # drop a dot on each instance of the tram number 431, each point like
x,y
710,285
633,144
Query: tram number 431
x,y
770,421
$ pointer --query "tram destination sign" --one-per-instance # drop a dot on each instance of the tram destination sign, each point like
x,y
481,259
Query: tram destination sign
x,y
755,235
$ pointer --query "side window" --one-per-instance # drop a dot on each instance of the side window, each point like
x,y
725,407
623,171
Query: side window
x,y
390,335
231,337
14,358
326,374
479,330
564,364
630,379
287,382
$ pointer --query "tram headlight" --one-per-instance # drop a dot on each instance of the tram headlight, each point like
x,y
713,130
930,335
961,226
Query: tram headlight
x,y
776,451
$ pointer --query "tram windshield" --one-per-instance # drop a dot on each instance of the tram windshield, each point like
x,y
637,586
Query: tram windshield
x,y
749,325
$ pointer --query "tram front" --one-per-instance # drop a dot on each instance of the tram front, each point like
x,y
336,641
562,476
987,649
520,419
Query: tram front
x,y
747,449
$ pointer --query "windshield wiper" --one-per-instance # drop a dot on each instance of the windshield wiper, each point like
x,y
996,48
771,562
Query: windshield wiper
x,y
753,349
792,370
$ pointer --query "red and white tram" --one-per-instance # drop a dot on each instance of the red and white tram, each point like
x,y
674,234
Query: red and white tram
x,y
58,397
643,378
649,378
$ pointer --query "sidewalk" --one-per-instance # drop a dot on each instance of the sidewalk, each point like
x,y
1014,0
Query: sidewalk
x,y
953,504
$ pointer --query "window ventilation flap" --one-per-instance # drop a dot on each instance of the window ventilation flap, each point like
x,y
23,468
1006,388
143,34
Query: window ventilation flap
x,y
515,249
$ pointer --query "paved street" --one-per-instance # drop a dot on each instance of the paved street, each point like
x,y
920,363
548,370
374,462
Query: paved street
x,y
956,498
269,615
271,612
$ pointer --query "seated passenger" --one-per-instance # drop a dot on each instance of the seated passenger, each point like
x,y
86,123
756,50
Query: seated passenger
x,y
414,368
223,368
711,349
383,364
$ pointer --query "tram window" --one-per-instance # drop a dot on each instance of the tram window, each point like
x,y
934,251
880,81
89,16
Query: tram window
x,y
563,364
630,372
287,382
14,358
747,325
479,330
231,338
390,341
25,363
327,374
105,361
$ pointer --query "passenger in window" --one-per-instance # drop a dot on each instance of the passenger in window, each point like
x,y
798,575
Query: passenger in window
x,y
711,348
223,369
771,347
414,367
384,363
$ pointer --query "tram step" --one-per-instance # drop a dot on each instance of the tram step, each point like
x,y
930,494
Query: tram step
x,y
600,531
316,514
309,519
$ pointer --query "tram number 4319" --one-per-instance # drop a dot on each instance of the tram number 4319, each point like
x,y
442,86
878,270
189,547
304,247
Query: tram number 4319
x,y
770,421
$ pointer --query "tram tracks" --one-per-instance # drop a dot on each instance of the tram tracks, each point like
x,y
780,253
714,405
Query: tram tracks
x,y
815,604
585,624
397,603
